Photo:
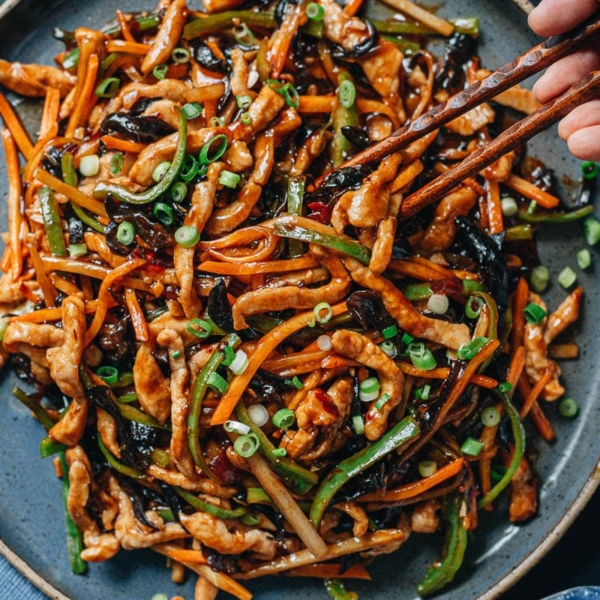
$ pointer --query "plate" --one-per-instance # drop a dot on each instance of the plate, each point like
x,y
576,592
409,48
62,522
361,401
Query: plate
x,y
31,519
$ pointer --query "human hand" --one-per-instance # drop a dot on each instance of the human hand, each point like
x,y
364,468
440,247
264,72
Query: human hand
x,y
581,127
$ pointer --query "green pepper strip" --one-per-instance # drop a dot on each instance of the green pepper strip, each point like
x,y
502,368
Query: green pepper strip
x,y
70,178
352,466
131,413
74,536
197,394
263,323
40,413
295,198
441,573
48,447
342,148
557,217
298,479
518,233
144,23
207,507
422,291
214,23
337,591
287,228
124,195
116,465
52,224
466,25
518,432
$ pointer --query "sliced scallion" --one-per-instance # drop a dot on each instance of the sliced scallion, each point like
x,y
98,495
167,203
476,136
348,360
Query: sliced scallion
x,y
369,389
213,150
160,171
509,206
568,408
473,306
279,452
540,276
239,363
359,424
109,374
236,427
77,250
347,93
200,328
89,166
421,357
490,416
438,304
534,313
191,110
229,179
246,445
284,418
187,236
390,332
108,87
315,12
427,468
217,383
180,55
389,348
160,71
471,349
567,277
259,414
125,233
584,259
163,213
471,446
591,230
179,192
323,312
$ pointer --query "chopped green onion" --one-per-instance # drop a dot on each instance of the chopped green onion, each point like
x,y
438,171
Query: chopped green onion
x,y
380,403
229,356
116,163
246,445
216,122
591,229
568,408
125,233
176,354
180,55
108,87
279,452
567,277
584,259
438,304
287,90
421,357
163,212
427,468
323,312
217,383
509,206
347,93
187,236
324,343
471,446
423,392
295,382
504,387
244,36
229,179
534,314
473,306
77,250
490,416
540,276
71,59
471,349
189,169
160,71
589,169
284,418
259,414
389,332
109,374
213,149
368,389
191,110
200,328
240,363
315,12
89,165
246,118
407,339
160,171
243,102
236,427
389,348
359,424
531,208
178,192
250,519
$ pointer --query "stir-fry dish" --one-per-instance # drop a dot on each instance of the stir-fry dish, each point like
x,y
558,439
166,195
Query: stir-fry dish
x,y
243,356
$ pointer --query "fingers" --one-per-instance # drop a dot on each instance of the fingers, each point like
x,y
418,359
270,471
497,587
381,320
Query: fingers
x,y
562,75
581,130
552,17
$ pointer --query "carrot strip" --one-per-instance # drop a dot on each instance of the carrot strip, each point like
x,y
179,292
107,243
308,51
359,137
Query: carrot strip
x,y
50,114
48,289
13,201
541,422
406,176
517,364
195,557
495,217
265,346
127,47
104,295
331,571
71,193
13,123
114,143
63,285
124,26
84,95
531,191
138,319
519,301
419,270
274,266
484,381
410,490
54,314
535,392
316,104
353,7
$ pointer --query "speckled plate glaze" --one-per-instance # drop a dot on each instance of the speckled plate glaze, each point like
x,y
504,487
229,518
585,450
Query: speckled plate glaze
x,y
31,519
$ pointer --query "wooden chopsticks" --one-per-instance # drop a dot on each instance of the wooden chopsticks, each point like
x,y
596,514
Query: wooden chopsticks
x,y
529,63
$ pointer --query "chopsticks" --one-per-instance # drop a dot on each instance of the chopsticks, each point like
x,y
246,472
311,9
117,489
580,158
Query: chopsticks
x,y
530,62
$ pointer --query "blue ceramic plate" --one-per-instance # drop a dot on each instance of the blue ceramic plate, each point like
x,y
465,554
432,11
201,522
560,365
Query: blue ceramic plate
x,y
578,593
31,520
